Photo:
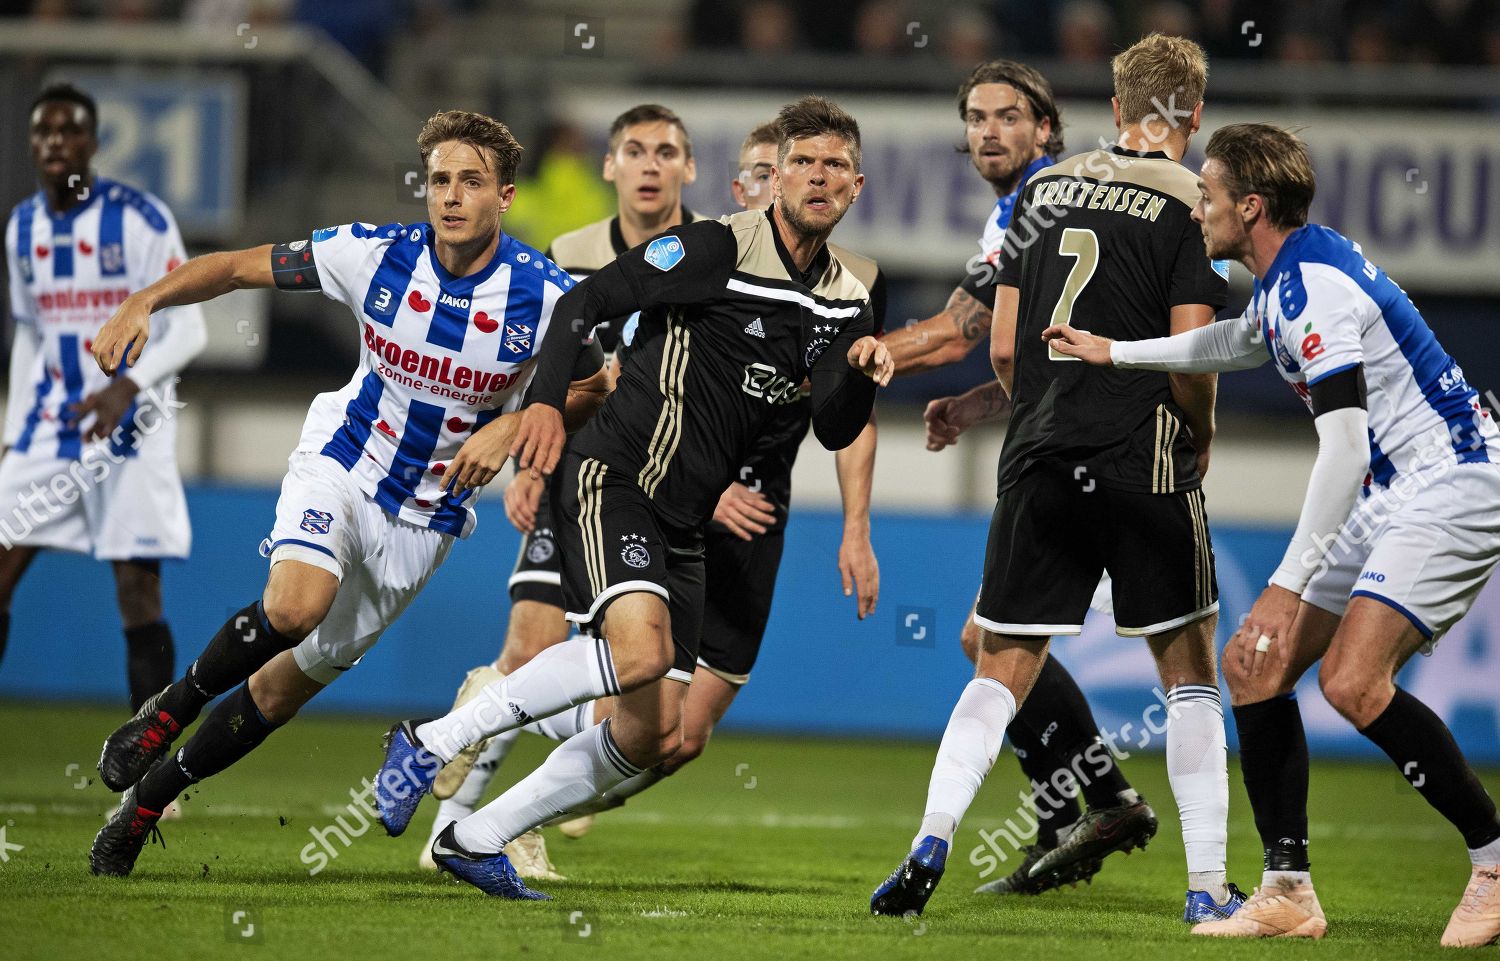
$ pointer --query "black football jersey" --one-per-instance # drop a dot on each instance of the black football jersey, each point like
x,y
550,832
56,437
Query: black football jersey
x,y
1105,242
583,251
729,330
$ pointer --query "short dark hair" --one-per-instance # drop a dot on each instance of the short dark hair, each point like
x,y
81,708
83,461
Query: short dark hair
x,y
485,134
1029,83
648,113
813,117
67,93
1261,159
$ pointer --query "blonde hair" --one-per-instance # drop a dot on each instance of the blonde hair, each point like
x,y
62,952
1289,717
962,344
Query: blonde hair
x,y
1157,75
491,138
1261,159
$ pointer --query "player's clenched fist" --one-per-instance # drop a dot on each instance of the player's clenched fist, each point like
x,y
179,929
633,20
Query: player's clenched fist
x,y
482,455
539,443
130,327
523,497
1087,347
873,359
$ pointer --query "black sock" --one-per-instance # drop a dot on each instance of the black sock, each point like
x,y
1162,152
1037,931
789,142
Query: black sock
x,y
150,660
1425,752
1273,763
242,646
4,632
233,729
1054,809
1057,712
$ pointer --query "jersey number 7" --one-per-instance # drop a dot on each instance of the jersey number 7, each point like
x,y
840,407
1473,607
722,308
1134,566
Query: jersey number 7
x,y
1081,244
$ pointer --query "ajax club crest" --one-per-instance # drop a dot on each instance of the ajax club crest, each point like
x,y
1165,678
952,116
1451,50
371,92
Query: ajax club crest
x,y
634,552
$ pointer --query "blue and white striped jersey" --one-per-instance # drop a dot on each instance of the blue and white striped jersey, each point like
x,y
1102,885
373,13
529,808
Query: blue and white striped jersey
x,y
443,356
68,273
1323,308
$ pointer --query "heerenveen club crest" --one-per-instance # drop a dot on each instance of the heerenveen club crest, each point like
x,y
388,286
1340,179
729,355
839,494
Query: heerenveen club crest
x,y
634,552
316,522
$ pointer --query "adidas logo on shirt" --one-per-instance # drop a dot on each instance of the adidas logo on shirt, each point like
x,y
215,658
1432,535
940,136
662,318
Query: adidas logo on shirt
x,y
755,329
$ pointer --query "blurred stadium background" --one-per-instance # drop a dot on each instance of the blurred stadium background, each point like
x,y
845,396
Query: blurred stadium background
x,y
259,120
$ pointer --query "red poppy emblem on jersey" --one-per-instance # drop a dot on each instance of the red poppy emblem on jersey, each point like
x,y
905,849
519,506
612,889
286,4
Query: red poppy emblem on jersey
x,y
439,469
416,302
173,264
486,323
84,248
421,503
88,347
457,425
385,428
42,252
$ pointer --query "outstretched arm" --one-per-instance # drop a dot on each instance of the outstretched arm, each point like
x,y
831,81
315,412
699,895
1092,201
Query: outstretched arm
x,y
944,338
202,278
1221,346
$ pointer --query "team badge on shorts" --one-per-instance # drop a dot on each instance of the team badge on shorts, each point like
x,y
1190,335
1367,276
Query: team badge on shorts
x,y
316,522
634,552
541,548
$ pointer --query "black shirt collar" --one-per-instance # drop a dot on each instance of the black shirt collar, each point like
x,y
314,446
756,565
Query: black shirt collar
x,y
809,277
617,236
1141,154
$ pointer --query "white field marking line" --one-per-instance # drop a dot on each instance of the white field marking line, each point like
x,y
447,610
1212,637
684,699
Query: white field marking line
x,y
664,913
771,820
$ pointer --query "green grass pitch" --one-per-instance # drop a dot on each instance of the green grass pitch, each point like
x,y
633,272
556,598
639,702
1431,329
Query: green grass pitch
x,y
763,848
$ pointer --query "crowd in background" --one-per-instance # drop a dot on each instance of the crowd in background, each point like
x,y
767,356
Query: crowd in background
x,y
1081,31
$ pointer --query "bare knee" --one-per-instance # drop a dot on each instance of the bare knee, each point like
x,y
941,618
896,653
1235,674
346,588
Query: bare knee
x,y
1248,688
295,602
1355,694
968,639
533,628
690,749
639,631
138,593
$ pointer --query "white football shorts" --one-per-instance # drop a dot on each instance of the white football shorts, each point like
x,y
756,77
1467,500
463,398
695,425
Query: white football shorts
x,y
1425,546
382,562
104,503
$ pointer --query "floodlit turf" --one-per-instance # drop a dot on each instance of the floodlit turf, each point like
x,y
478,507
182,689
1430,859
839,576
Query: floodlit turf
x,y
764,848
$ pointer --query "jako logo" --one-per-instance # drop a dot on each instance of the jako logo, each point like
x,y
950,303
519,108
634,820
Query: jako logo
x,y
462,303
1375,576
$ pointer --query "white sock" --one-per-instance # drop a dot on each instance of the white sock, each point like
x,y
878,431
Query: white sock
x,y
1487,855
1198,770
467,797
562,676
970,743
578,771
564,724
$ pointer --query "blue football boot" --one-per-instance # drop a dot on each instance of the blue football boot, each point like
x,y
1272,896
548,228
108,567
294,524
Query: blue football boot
x,y
405,776
1202,907
490,873
907,889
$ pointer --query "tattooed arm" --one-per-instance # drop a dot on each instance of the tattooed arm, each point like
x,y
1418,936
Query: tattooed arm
x,y
941,339
947,417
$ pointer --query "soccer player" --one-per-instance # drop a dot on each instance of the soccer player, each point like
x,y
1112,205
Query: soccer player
x,y
451,314
1100,470
742,552
650,160
736,315
90,462
1398,534
1012,130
